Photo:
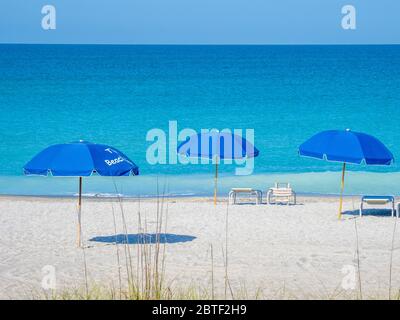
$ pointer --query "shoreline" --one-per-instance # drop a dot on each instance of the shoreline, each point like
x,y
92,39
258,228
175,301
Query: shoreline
x,y
326,184
209,198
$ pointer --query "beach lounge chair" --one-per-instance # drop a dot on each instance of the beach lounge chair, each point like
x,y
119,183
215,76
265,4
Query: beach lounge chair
x,y
377,201
281,193
248,191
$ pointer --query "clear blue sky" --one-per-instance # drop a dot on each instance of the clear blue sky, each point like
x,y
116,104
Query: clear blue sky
x,y
200,21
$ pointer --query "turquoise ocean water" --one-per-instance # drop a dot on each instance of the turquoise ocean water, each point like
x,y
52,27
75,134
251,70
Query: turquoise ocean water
x,y
115,94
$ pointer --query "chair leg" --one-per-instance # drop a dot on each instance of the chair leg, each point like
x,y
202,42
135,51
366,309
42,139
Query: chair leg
x,y
256,195
393,209
232,197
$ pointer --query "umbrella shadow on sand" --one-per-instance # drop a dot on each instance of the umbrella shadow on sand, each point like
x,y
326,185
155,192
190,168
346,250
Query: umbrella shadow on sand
x,y
143,238
370,212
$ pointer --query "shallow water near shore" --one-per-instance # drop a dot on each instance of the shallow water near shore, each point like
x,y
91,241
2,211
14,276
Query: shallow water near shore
x,y
313,183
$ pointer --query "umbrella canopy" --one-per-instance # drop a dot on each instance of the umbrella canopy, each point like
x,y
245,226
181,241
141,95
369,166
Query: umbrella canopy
x,y
346,146
224,145
80,159
217,146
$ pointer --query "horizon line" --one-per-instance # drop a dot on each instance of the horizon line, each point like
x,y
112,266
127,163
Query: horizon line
x,y
202,44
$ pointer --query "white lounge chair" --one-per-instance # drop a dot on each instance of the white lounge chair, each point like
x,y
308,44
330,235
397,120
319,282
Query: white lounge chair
x,y
249,191
281,193
378,201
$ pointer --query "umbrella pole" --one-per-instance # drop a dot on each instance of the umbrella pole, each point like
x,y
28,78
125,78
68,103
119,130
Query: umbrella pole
x,y
341,191
78,239
216,182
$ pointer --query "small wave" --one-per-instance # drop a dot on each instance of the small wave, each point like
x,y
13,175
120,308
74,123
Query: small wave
x,y
100,195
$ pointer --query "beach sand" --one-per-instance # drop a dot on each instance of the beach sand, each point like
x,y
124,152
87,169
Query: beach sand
x,y
279,251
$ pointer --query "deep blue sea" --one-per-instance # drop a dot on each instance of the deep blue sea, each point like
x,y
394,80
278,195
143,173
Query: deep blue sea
x,y
115,94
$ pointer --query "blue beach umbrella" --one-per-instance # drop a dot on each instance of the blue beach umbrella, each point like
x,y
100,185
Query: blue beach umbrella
x,y
346,146
80,159
216,146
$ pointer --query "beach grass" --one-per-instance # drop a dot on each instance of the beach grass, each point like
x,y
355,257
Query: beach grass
x,y
144,277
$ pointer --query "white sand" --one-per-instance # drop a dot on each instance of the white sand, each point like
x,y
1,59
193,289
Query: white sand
x,y
281,251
